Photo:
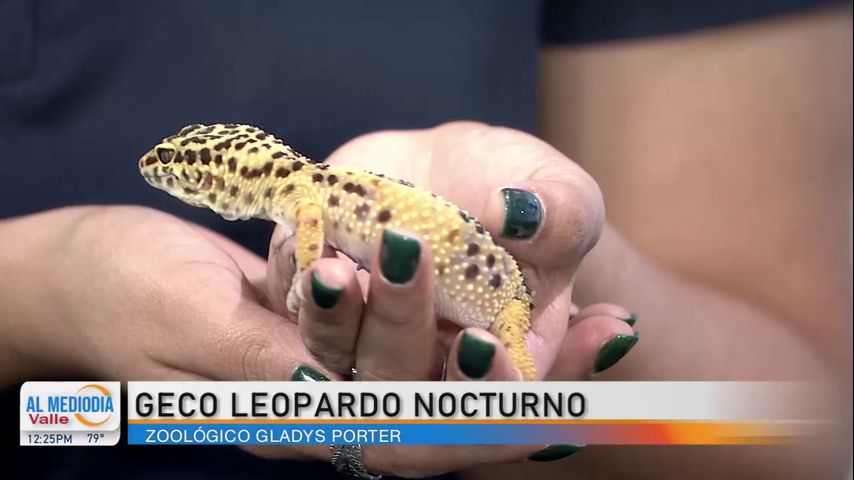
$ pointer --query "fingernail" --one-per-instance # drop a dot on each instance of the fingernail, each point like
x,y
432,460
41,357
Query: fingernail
x,y
399,257
304,373
631,319
522,213
613,350
554,452
324,297
475,356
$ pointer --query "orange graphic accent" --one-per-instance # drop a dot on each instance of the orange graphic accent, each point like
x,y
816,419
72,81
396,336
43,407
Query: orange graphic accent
x,y
80,417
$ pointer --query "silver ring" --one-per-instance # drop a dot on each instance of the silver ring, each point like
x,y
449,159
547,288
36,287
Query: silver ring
x,y
347,459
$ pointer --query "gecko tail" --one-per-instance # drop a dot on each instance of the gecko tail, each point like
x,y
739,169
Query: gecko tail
x,y
511,326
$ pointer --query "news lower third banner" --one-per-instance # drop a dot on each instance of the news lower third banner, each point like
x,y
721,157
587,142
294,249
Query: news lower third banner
x,y
461,413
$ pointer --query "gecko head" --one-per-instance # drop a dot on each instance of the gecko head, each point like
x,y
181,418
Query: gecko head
x,y
185,167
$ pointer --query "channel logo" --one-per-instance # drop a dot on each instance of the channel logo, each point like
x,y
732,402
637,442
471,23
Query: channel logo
x,y
70,413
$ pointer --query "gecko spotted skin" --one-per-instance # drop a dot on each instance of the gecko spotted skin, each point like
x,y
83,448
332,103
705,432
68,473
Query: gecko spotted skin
x,y
242,172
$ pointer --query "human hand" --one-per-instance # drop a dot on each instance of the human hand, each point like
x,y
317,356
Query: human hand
x,y
555,216
389,331
132,293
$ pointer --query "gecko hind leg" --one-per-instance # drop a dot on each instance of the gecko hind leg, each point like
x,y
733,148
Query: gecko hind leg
x,y
309,247
510,326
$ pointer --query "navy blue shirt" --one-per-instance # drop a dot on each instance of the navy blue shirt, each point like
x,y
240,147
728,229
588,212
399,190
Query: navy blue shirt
x,y
86,86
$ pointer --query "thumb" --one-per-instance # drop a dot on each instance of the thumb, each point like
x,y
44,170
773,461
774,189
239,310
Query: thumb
x,y
545,209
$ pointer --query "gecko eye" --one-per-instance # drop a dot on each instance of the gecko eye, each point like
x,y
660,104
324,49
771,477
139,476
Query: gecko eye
x,y
165,154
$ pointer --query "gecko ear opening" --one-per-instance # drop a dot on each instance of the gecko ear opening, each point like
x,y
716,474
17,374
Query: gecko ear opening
x,y
165,154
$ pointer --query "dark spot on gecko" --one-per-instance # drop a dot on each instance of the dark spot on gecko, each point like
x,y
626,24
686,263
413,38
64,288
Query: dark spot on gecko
x,y
282,172
261,136
478,228
218,160
212,197
268,167
226,206
333,201
289,188
278,155
253,150
472,250
323,166
362,211
249,198
170,181
527,288
312,247
332,179
207,183
244,171
296,166
205,156
191,157
150,160
189,191
268,193
232,164
384,216
317,177
452,235
441,269
403,182
239,146
179,158
472,271
233,191
348,187
360,190
490,261
465,216
495,281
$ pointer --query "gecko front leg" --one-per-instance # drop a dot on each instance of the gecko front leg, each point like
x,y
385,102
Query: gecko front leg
x,y
309,246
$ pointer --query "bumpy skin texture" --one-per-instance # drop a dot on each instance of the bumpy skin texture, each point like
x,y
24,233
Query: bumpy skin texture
x,y
242,172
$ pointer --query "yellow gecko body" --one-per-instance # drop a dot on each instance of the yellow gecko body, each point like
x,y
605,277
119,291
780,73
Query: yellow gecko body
x,y
242,172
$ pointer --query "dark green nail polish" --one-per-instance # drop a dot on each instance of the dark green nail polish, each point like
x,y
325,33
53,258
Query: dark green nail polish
x,y
324,297
475,356
304,373
554,452
631,319
399,257
613,350
522,213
